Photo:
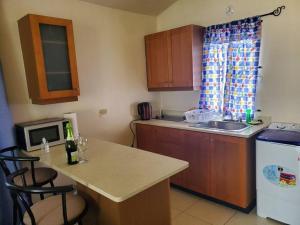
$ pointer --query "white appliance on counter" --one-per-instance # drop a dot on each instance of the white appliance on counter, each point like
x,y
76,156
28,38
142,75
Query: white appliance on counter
x,y
277,173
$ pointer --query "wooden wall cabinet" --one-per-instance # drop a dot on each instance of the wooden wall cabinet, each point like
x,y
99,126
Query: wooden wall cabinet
x,y
174,59
49,58
221,167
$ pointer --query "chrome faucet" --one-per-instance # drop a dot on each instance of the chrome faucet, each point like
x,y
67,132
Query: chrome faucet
x,y
227,115
239,117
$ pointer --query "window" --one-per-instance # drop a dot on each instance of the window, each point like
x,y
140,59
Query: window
x,y
230,66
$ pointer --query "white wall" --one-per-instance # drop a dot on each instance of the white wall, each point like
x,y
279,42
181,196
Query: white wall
x,y
111,64
111,59
279,92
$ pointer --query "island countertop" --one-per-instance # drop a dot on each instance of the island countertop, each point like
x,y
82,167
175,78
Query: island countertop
x,y
115,171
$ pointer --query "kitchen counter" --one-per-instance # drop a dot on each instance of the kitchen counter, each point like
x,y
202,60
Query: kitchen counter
x,y
222,163
247,133
122,185
115,171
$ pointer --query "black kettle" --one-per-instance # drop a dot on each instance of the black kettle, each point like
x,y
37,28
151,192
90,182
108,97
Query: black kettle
x,y
145,110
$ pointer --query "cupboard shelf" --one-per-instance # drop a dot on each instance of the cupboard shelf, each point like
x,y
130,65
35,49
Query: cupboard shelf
x,y
55,42
57,72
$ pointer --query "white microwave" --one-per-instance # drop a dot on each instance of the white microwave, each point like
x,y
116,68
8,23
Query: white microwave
x,y
30,134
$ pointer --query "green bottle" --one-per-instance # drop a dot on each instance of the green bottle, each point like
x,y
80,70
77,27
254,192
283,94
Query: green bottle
x,y
71,147
248,115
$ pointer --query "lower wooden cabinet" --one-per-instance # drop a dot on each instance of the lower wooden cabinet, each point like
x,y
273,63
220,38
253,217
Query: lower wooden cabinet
x,y
170,144
197,150
146,136
222,167
233,169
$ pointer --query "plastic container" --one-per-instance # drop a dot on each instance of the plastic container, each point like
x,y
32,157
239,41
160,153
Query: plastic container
x,y
199,115
257,114
45,145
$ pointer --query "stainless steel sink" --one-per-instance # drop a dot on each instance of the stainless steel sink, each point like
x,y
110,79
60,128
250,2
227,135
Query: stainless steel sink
x,y
223,125
227,125
171,118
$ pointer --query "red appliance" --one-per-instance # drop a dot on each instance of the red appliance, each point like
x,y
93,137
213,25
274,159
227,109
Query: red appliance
x,y
145,110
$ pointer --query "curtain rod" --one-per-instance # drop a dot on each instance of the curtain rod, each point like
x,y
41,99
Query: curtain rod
x,y
276,12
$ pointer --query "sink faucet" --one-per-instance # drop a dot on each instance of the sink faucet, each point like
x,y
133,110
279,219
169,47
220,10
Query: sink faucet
x,y
239,117
227,115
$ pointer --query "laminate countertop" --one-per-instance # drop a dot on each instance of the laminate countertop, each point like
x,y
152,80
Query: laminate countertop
x,y
115,171
247,133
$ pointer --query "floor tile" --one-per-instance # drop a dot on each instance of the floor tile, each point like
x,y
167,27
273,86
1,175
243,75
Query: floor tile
x,y
211,212
250,219
175,212
181,200
188,209
184,219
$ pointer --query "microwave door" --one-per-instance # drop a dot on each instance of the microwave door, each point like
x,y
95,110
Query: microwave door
x,y
53,132
62,131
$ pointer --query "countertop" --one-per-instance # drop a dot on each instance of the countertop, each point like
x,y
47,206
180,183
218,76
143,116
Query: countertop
x,y
249,132
115,171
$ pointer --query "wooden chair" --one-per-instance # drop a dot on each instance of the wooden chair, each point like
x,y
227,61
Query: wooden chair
x,y
62,208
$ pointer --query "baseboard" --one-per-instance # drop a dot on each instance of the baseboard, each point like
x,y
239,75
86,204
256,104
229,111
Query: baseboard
x,y
247,210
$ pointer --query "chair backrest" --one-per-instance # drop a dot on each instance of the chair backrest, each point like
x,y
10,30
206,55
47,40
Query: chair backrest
x,y
16,160
19,200
8,166
8,154
18,192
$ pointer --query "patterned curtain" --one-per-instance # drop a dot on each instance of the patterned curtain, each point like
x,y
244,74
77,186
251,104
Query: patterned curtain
x,y
6,140
230,66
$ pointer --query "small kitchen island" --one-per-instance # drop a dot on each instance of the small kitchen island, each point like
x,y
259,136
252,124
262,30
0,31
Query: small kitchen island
x,y
122,185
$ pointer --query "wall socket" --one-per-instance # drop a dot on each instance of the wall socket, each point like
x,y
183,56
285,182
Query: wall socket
x,y
102,112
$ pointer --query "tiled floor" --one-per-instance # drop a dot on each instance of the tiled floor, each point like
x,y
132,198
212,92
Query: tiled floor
x,y
188,209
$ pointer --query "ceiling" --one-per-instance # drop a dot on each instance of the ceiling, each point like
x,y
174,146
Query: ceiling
x,y
148,7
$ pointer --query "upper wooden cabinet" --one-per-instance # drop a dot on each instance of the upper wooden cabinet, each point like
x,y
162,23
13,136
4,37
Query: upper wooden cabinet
x,y
174,59
158,53
49,57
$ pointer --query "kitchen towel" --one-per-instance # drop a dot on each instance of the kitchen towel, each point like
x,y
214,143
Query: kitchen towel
x,y
6,140
72,116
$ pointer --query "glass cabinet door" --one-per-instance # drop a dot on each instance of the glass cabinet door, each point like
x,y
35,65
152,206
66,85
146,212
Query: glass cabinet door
x,y
50,59
56,57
